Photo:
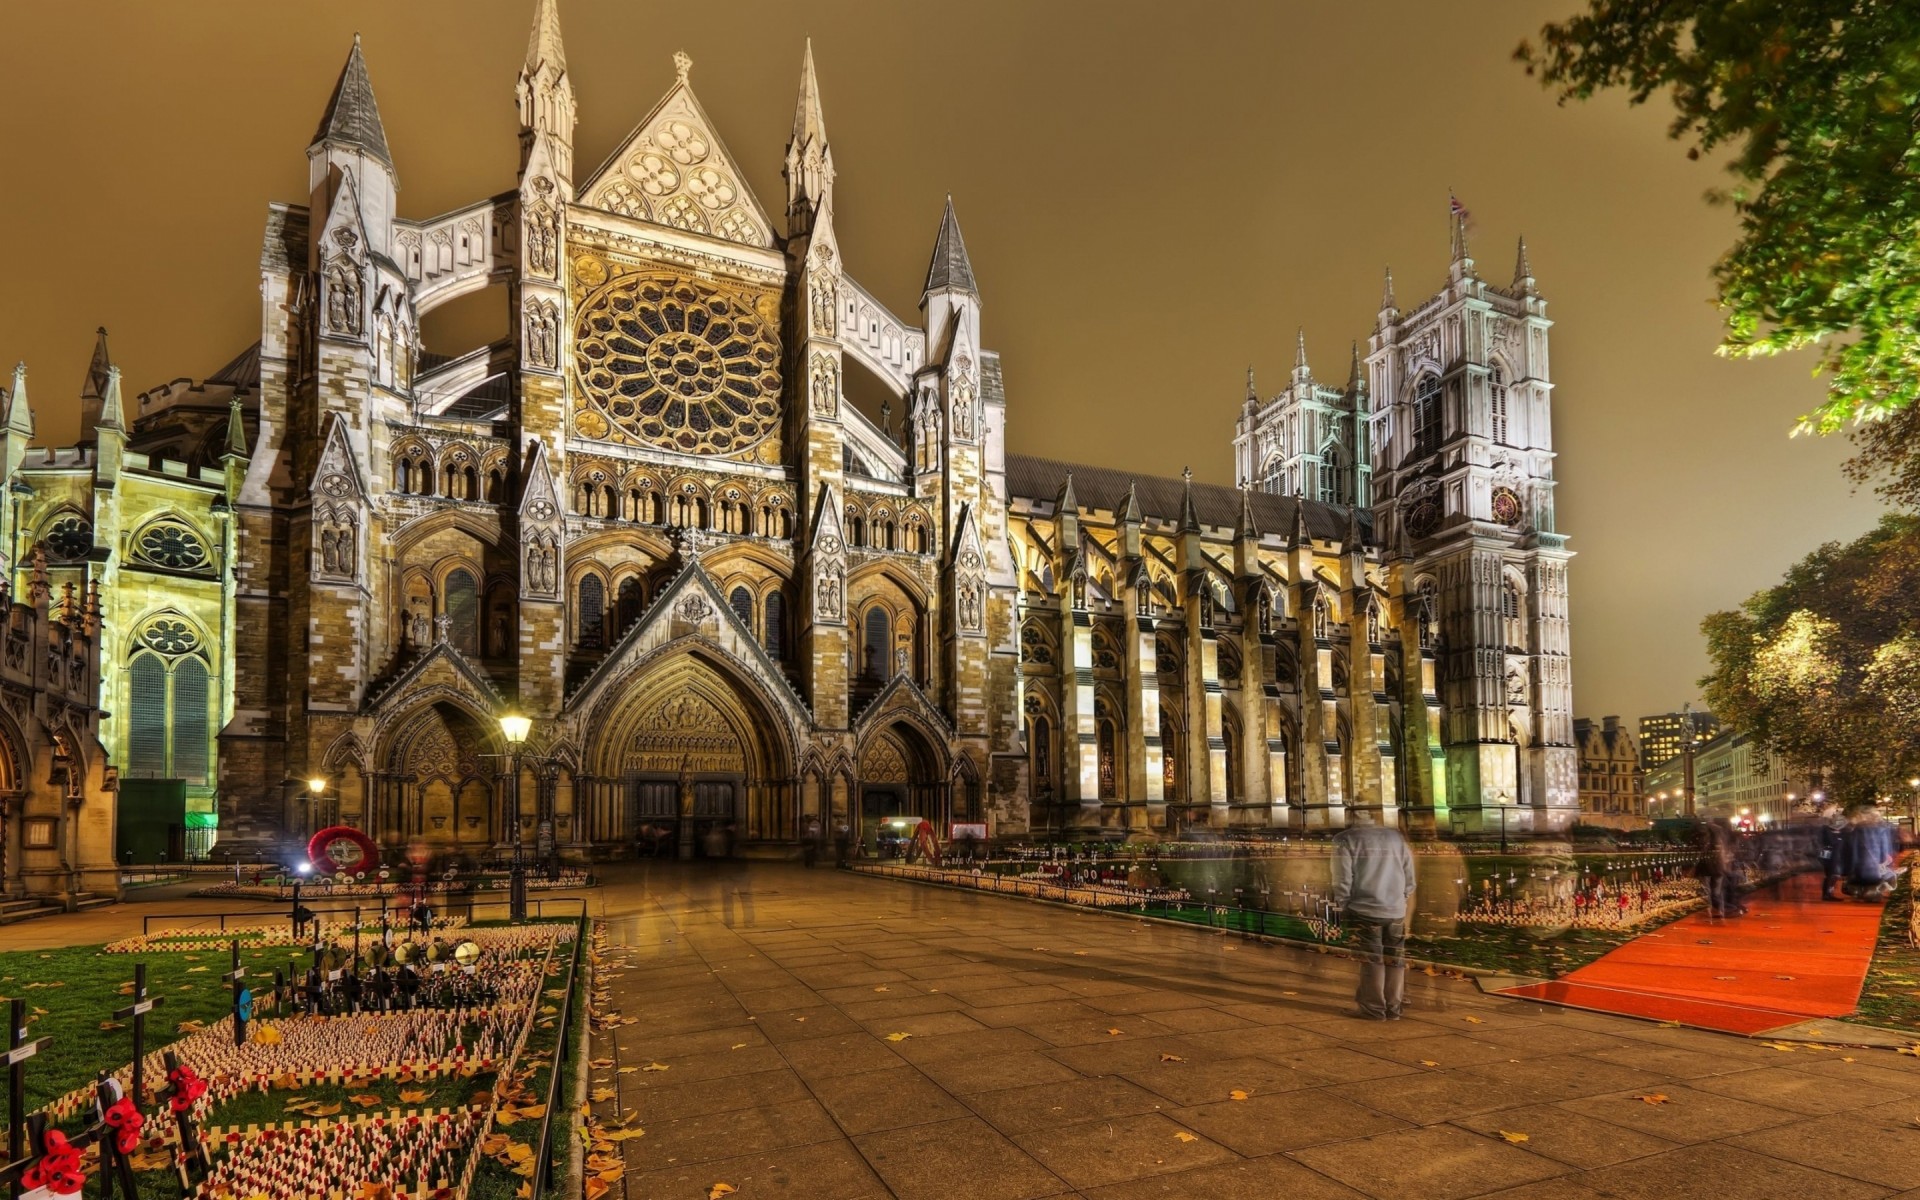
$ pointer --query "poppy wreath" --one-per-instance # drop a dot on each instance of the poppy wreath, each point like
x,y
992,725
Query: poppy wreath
x,y
187,1088
125,1121
342,849
58,1169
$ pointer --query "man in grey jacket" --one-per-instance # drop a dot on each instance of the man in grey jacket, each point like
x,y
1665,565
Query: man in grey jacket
x,y
1372,885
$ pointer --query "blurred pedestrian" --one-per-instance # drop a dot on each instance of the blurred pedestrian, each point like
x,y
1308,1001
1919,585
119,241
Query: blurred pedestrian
x,y
1833,851
1714,867
1373,883
810,842
842,843
1871,850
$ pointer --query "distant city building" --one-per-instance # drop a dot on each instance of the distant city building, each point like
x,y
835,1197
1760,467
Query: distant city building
x,y
1661,736
1734,776
1611,775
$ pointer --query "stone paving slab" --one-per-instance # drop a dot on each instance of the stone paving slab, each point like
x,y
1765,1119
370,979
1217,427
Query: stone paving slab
x,y
843,1038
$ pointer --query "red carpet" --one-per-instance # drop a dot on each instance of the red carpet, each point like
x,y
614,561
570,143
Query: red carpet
x,y
1792,958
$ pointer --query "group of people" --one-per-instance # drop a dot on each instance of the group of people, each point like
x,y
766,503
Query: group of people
x,y
1857,853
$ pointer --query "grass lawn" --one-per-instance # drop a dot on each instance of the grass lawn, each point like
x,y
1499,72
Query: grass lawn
x,y
73,991
1547,953
1891,994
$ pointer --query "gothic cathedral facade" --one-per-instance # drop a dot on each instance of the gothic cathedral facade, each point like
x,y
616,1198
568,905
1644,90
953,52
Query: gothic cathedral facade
x,y
650,519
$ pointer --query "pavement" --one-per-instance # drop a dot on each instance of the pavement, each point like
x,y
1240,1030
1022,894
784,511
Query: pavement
x,y
796,1033
822,1035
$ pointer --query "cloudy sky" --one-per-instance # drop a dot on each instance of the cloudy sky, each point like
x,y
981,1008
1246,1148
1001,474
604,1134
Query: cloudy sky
x,y
1154,197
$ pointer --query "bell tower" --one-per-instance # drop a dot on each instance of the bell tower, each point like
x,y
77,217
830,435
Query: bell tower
x,y
1462,455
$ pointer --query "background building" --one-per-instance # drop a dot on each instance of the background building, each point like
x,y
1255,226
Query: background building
x,y
1663,735
1611,776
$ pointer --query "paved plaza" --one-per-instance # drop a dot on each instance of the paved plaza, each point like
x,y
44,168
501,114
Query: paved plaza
x,y
826,1035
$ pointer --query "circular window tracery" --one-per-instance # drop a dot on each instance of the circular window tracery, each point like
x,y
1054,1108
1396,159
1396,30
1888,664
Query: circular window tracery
x,y
171,637
70,539
171,544
675,363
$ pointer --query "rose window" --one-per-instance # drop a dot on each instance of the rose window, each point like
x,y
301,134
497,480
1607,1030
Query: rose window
x,y
70,539
674,363
168,544
170,637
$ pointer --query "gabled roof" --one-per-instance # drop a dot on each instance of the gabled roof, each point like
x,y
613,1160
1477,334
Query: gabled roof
x,y
352,117
1038,481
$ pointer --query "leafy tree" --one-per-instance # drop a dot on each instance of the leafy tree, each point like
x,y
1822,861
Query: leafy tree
x,y
1824,667
1816,106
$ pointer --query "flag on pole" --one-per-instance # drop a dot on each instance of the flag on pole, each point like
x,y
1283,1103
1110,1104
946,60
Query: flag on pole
x,y
1458,210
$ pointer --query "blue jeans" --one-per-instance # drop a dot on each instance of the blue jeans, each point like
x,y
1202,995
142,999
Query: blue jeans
x,y
1383,976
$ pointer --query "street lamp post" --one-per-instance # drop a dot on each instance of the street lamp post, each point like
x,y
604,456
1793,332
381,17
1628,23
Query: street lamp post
x,y
514,727
316,792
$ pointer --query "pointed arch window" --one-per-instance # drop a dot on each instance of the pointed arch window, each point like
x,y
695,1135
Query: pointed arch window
x,y
877,643
169,704
590,614
1497,403
1512,612
1330,492
776,625
1040,745
1109,785
463,612
741,602
631,602
1426,415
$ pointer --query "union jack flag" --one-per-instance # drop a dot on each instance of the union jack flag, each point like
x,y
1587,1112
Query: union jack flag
x,y
1456,209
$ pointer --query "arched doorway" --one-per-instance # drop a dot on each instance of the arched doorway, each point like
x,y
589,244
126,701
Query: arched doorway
x,y
901,776
688,749
439,782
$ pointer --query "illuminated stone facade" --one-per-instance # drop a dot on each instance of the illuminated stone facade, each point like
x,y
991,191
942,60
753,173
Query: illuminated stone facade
x,y
651,518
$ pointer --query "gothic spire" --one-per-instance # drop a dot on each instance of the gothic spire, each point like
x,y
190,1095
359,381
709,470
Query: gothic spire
x,y
1067,503
19,411
352,117
1131,513
544,47
1386,297
1356,538
95,388
1300,369
809,167
1354,382
1253,393
1189,520
950,270
1522,272
1247,529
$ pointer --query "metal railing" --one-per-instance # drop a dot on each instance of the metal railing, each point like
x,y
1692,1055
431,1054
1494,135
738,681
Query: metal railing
x,y
543,1178
570,907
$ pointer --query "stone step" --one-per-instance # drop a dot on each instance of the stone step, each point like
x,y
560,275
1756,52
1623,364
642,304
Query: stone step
x,y
12,906
86,900
11,914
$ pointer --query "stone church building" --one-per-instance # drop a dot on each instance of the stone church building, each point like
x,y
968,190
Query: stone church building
x,y
651,520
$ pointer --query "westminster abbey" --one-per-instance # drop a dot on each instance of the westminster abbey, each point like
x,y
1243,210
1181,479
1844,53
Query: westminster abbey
x,y
650,520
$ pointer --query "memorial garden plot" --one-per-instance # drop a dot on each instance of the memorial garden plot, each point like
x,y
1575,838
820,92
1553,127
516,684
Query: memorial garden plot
x,y
395,1063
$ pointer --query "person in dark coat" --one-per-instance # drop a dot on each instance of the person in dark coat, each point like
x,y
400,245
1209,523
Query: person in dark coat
x,y
1833,852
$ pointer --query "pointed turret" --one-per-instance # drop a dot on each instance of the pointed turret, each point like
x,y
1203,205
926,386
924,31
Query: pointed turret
x,y
949,270
1387,302
1130,524
352,118
1066,514
1189,520
93,392
1356,537
546,94
1246,528
236,444
1301,372
1461,261
809,168
111,415
19,411
1301,537
1253,393
1522,273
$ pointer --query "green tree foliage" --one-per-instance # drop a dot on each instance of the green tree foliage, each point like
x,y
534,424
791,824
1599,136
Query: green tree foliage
x,y
1816,106
1824,667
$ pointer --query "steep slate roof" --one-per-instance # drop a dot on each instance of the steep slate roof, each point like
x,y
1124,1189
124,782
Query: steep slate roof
x,y
352,118
950,268
1038,480
243,371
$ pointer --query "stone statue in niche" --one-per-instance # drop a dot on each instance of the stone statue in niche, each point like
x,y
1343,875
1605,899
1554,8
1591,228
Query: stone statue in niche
x,y
542,239
822,308
420,625
343,298
827,597
970,604
543,332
